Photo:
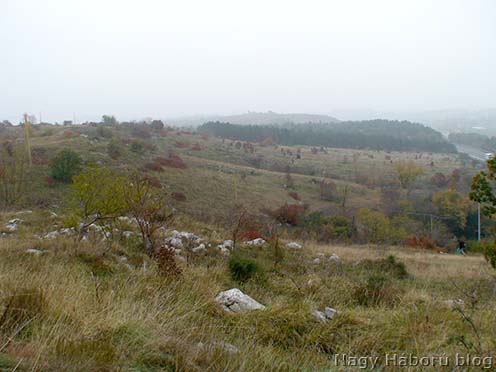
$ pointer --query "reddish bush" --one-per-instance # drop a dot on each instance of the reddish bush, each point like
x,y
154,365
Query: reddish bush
x,y
39,156
294,195
250,235
174,161
196,147
289,213
424,242
153,166
179,196
153,181
204,136
49,181
181,145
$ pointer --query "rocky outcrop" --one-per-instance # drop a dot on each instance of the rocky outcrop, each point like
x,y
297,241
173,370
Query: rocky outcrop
x,y
258,242
235,301
325,315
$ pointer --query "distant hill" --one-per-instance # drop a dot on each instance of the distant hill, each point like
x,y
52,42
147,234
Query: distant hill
x,y
372,134
256,118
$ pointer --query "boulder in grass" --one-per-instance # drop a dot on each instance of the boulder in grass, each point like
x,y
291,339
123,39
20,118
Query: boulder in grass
x,y
293,245
226,247
256,242
235,301
325,315
335,259
12,225
34,251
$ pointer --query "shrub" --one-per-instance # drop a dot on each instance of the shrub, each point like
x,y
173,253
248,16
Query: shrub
x,y
174,161
141,132
49,181
22,305
114,150
243,268
388,266
137,147
396,268
65,165
103,132
294,195
166,263
289,213
377,290
179,196
327,228
153,166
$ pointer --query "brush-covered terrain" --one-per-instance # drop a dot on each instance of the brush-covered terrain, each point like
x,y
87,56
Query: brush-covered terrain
x,y
341,252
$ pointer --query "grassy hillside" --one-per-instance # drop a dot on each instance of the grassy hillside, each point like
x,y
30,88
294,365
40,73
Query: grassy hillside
x,y
90,306
102,303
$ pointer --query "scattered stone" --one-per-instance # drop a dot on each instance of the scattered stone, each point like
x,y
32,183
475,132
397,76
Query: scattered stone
x,y
235,301
325,315
127,234
183,239
12,225
258,242
200,248
34,251
454,303
174,242
316,261
294,245
335,259
126,219
319,315
226,247
330,312
55,234
51,235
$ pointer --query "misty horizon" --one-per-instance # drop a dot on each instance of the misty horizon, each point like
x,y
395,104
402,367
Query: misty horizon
x,y
165,60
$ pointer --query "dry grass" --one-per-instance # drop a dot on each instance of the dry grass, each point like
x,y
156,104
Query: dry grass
x,y
99,314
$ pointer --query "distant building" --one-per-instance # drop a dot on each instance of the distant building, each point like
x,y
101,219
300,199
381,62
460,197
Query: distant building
x,y
67,122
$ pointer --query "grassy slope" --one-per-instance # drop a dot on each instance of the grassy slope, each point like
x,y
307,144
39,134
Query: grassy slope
x,y
98,314
219,171
130,319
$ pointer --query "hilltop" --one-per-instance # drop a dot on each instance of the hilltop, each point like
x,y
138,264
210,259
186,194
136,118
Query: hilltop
x,y
256,118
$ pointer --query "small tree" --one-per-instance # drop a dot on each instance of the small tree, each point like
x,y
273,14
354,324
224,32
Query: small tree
x,y
109,120
454,206
98,197
240,223
65,165
483,192
148,207
408,172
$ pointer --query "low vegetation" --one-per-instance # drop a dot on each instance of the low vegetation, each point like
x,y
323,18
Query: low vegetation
x,y
117,239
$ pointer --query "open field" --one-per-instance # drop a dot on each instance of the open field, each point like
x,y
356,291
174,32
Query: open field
x,y
80,306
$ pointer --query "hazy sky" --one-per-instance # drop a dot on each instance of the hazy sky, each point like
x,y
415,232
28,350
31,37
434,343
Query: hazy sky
x,y
162,58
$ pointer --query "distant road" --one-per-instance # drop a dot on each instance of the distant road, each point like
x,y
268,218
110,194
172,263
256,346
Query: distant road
x,y
473,152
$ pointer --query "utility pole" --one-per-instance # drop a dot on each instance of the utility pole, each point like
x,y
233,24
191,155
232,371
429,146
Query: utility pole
x,y
27,137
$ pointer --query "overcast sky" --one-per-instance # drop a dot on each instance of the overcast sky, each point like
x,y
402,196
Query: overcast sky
x,y
160,58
